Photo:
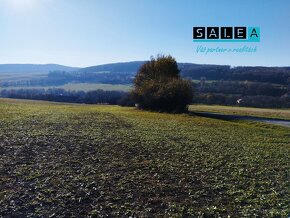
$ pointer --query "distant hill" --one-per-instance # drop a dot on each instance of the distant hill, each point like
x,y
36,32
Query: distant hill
x,y
125,67
213,84
277,75
34,68
123,73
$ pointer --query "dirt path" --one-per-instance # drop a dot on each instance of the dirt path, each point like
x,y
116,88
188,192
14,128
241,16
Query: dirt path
x,y
275,121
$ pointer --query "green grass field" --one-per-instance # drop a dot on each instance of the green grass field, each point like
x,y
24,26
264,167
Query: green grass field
x,y
69,160
18,77
78,87
95,86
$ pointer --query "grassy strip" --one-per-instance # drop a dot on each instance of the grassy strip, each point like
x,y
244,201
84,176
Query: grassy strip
x,y
259,112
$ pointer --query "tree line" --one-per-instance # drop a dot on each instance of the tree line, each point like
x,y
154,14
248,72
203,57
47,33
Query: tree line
x,y
278,75
260,101
241,87
61,95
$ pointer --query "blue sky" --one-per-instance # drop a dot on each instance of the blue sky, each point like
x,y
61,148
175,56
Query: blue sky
x,y
91,32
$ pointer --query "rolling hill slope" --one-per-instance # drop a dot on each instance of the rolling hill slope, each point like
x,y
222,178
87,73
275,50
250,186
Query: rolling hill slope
x,y
34,68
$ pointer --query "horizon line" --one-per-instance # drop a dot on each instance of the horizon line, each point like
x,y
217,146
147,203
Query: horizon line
x,y
122,62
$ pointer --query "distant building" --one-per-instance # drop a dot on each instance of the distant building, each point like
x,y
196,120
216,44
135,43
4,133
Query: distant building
x,y
239,101
202,83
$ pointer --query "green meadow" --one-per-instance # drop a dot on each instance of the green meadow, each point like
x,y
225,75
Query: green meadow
x,y
70,160
77,87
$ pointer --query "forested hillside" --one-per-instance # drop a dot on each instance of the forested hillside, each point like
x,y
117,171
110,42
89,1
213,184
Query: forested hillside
x,y
213,84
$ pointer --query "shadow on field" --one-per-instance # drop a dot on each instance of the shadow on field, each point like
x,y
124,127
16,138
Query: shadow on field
x,y
231,117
